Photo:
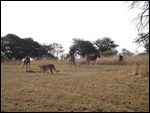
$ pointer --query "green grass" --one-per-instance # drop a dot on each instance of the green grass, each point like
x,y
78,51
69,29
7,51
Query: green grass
x,y
93,88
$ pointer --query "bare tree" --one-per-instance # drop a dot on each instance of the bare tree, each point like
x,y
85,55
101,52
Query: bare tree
x,y
141,20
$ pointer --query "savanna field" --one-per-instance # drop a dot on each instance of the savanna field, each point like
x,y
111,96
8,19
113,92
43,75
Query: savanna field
x,y
104,87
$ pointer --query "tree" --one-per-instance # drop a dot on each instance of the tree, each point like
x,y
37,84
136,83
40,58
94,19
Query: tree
x,y
30,47
45,52
126,52
143,39
83,47
147,47
109,53
15,47
141,20
4,57
106,46
56,49
11,45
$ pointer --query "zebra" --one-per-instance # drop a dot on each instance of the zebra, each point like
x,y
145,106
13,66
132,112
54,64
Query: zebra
x,y
120,58
26,62
91,58
71,60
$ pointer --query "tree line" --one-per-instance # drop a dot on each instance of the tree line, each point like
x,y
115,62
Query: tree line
x,y
12,46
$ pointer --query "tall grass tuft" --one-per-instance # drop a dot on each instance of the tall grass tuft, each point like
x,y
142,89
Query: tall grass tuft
x,y
139,63
144,71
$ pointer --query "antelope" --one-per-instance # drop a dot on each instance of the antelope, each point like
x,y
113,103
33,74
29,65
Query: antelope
x,y
72,61
120,58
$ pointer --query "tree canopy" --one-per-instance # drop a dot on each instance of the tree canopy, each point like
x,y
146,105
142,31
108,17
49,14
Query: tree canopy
x,y
104,46
83,47
13,46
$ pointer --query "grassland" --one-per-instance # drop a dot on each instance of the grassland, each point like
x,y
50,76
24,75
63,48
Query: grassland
x,y
104,87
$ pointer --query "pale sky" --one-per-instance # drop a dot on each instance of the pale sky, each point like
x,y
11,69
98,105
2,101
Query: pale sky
x,y
60,21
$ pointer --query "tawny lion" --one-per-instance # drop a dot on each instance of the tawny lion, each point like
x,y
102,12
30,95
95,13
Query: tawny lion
x,y
48,66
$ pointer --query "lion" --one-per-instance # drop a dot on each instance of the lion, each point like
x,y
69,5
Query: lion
x,y
48,66
44,68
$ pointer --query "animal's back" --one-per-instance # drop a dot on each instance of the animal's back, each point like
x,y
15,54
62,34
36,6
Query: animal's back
x,y
51,67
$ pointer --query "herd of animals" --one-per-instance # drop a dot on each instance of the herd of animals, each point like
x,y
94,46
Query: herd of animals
x,y
51,67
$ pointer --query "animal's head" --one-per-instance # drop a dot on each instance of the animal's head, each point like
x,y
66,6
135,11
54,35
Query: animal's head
x,y
98,55
40,67
120,54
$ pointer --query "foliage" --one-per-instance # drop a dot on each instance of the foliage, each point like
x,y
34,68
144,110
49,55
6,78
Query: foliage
x,y
15,47
105,44
126,52
56,49
30,47
4,58
83,47
11,46
147,47
109,53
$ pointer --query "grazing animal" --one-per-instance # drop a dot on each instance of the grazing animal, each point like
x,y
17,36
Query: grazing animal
x,y
72,61
91,58
72,58
26,62
120,58
51,67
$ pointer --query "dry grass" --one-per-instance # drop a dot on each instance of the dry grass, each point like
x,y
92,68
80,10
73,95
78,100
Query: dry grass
x,y
93,88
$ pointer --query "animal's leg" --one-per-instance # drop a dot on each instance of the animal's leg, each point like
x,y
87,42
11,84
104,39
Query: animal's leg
x,y
51,71
44,71
26,66
71,63
47,70
29,65
87,63
23,66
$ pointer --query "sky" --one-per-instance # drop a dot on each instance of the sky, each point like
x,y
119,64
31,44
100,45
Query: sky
x,y
60,21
